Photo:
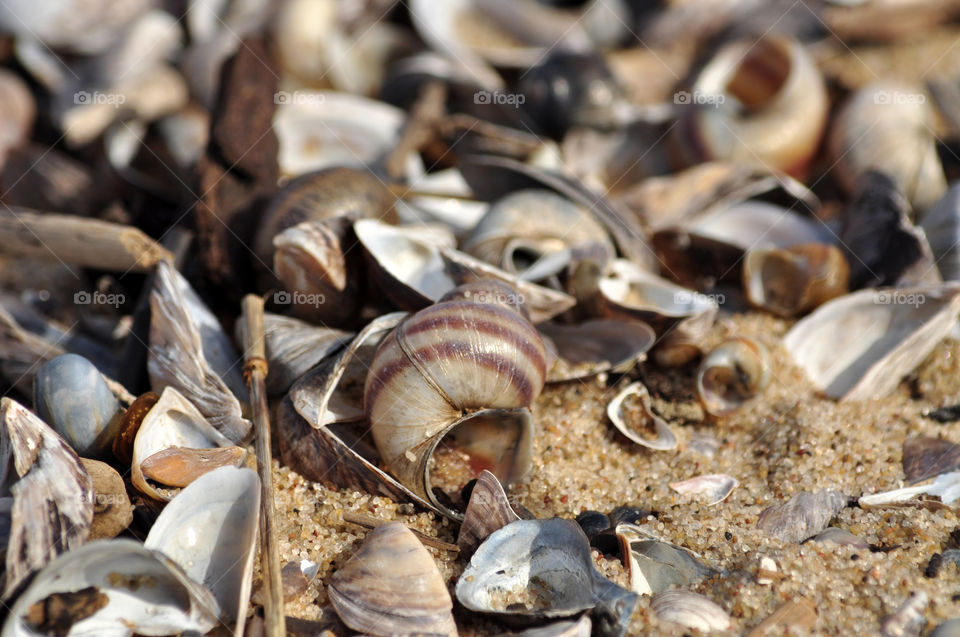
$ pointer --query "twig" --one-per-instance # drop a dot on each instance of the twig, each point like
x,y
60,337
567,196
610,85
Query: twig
x,y
421,127
85,242
255,371
371,523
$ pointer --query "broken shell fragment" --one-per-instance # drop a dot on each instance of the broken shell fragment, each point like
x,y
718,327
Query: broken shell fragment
x,y
53,497
119,588
487,511
794,280
908,619
690,610
595,346
173,422
543,569
941,225
190,352
655,566
716,488
179,466
210,530
759,102
733,375
71,395
926,457
638,422
801,516
858,346
448,394
294,347
392,586
840,537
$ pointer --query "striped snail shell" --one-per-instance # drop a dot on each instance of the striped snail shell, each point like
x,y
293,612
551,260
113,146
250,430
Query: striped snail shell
x,y
462,371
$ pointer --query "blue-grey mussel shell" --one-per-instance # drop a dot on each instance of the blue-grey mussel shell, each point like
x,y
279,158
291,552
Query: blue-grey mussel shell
x,y
71,396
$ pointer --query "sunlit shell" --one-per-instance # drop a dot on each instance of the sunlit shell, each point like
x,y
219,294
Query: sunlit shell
x,y
647,428
716,487
733,375
690,610
801,516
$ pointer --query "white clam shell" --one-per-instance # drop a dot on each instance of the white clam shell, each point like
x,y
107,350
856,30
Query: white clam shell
x,y
146,593
172,422
715,487
210,530
859,346
689,609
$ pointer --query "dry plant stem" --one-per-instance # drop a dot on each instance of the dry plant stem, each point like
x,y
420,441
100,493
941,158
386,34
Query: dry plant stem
x,y
402,191
372,523
79,240
421,127
255,371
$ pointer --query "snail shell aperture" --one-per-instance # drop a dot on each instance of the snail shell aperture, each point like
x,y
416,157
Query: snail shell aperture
x,y
463,373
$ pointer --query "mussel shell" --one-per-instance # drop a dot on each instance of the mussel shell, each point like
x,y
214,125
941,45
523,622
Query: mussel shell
x,y
71,395
665,439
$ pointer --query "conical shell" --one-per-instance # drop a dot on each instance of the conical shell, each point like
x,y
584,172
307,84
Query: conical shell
x,y
733,375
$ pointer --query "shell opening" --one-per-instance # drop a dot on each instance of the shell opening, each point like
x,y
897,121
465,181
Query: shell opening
x,y
497,440
761,74
780,285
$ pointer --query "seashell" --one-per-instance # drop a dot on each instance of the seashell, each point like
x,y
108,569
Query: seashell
x,y
334,192
840,537
941,225
130,425
179,466
796,614
190,352
595,346
593,523
678,315
768,571
690,610
882,246
492,177
716,487
310,261
949,628
323,129
732,376
794,280
908,619
487,511
52,494
679,199
543,569
314,422
570,628
757,102
113,588
455,377
655,566
651,431
18,114
71,395
172,422
80,27
392,586
887,126
801,516
926,457
860,345
294,347
112,511
210,530
434,200
412,273
528,226
946,486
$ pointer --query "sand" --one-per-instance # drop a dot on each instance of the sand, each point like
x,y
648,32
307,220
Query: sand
x,y
790,441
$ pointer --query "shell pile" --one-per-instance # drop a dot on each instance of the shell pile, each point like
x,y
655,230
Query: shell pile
x,y
583,317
